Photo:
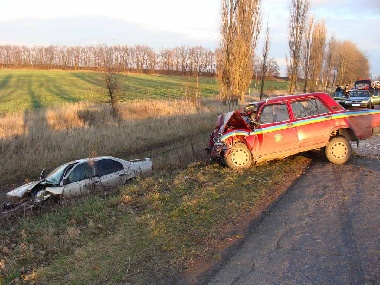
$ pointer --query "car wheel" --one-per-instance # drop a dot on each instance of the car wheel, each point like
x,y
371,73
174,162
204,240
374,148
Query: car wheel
x,y
338,150
239,157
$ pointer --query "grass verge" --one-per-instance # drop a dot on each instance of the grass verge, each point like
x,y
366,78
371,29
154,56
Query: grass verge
x,y
157,230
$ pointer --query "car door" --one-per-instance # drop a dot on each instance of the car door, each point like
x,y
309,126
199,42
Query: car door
x,y
110,172
313,121
277,136
80,180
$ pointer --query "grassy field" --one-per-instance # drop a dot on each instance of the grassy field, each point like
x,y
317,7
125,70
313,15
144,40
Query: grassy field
x,y
156,230
34,89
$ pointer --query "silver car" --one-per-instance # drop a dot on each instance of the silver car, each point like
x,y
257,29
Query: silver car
x,y
75,178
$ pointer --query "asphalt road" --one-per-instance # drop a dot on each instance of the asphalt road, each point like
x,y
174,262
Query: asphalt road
x,y
324,230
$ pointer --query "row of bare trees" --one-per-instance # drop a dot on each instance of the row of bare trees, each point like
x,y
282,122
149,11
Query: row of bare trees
x,y
124,58
313,59
139,58
319,61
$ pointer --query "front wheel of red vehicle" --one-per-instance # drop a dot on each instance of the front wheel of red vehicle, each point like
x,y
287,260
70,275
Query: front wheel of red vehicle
x,y
239,157
338,150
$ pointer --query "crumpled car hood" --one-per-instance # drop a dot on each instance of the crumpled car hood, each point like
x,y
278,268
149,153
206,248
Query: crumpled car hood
x,y
232,119
55,190
20,191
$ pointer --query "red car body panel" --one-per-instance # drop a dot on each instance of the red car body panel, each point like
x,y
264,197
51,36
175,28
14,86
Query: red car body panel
x,y
295,132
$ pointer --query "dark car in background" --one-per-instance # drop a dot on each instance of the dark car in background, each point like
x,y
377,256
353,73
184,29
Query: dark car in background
x,y
361,98
339,97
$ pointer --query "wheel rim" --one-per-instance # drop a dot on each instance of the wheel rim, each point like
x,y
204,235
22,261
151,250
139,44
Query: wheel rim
x,y
240,157
339,150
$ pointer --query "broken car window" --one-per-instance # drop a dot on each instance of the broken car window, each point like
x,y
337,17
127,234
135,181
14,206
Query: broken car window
x,y
107,166
306,108
274,113
80,172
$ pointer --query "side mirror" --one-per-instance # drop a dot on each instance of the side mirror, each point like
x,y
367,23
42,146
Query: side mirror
x,y
42,175
66,181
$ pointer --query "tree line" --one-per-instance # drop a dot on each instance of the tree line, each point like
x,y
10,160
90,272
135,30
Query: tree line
x,y
314,62
182,60
319,61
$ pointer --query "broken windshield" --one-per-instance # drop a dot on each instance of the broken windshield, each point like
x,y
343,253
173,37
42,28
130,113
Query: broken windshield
x,y
57,174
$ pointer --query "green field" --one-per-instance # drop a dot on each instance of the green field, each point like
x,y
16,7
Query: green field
x,y
34,89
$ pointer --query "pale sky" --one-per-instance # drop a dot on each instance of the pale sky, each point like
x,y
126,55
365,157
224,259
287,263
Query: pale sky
x,y
170,23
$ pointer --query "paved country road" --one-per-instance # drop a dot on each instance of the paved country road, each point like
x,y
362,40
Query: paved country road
x,y
324,230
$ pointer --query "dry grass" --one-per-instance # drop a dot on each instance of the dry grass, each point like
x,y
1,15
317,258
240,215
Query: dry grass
x,y
32,140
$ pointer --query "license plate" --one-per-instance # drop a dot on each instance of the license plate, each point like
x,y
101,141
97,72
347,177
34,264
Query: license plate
x,y
356,105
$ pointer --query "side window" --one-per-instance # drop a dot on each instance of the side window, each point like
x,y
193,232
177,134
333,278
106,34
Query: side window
x,y
274,113
306,108
107,166
80,172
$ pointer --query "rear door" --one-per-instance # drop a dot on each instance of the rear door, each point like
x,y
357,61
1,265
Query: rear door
x,y
110,172
313,121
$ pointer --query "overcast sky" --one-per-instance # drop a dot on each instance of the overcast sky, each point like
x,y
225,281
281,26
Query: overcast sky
x,y
170,23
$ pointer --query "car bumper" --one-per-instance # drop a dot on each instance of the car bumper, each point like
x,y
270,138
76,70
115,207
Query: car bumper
x,y
217,151
356,104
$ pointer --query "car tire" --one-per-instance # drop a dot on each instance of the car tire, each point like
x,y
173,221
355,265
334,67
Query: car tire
x,y
239,157
338,150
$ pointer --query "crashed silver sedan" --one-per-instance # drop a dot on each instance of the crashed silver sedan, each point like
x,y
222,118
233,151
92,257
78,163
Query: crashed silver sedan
x,y
76,178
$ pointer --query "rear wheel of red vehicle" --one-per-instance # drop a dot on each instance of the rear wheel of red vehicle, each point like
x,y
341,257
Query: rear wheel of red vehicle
x,y
239,157
338,150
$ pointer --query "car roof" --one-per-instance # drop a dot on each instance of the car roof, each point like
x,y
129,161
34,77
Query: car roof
x,y
90,159
289,98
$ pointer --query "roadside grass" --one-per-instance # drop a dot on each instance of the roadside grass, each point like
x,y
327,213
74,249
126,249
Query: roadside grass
x,y
154,230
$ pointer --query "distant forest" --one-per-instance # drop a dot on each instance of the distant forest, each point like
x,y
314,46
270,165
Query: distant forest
x,y
180,60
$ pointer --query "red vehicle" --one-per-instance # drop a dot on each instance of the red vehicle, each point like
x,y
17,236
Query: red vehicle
x,y
282,126
363,84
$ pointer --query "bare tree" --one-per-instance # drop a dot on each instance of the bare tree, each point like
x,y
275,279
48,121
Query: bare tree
x,y
317,54
264,66
110,78
240,28
349,62
306,52
328,70
299,10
